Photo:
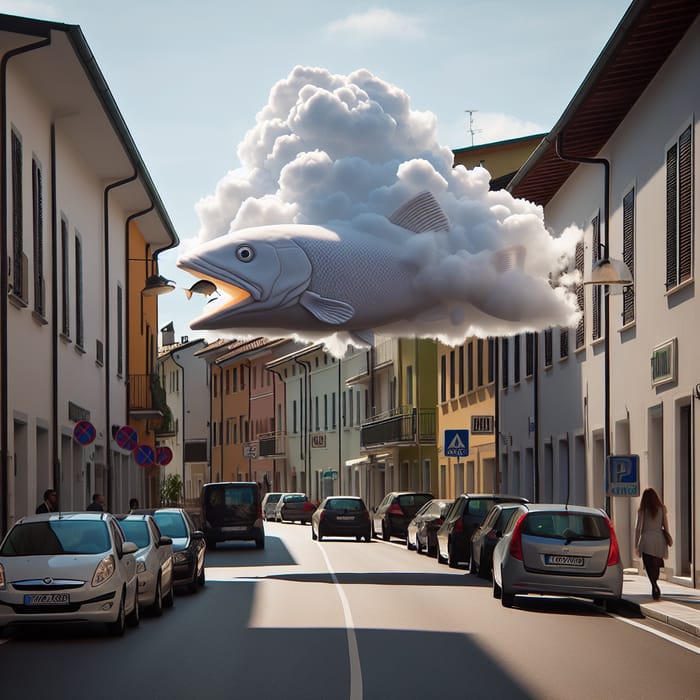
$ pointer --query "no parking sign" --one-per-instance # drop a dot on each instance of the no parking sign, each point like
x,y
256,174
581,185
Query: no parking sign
x,y
144,455
84,432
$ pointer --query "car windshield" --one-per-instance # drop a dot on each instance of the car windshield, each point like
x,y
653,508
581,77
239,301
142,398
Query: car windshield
x,y
171,524
135,531
414,499
294,499
566,526
344,504
231,495
57,537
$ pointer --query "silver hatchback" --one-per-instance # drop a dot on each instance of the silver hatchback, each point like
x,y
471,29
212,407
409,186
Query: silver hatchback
x,y
558,550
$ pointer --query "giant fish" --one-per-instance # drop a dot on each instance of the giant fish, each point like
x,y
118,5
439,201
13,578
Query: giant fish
x,y
311,279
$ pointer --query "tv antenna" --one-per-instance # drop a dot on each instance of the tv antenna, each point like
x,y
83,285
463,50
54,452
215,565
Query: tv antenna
x,y
472,130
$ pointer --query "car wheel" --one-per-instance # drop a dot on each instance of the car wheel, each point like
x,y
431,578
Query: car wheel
x,y
611,605
410,547
318,534
134,617
452,561
202,578
260,544
440,558
507,599
358,538
368,537
192,586
313,533
116,628
157,607
496,590
385,533
485,571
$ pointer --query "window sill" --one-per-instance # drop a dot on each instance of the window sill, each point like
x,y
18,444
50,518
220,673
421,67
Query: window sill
x,y
17,301
39,317
680,287
65,338
79,349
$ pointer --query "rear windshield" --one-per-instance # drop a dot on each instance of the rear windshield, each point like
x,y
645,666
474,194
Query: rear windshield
x,y
57,537
230,495
567,526
344,504
135,531
273,497
415,500
294,499
480,506
171,524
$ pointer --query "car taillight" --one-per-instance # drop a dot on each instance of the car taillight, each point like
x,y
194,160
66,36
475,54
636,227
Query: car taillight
x,y
516,541
459,526
309,506
614,551
394,509
323,515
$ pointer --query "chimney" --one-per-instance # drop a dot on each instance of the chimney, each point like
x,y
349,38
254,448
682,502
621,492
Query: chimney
x,y
168,334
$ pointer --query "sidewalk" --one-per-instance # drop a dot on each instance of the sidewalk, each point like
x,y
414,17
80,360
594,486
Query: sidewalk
x,y
679,605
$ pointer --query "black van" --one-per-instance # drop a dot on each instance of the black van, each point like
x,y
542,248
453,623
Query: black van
x,y
231,511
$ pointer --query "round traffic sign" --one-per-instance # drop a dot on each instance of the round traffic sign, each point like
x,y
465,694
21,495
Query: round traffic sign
x,y
127,438
84,432
144,455
164,455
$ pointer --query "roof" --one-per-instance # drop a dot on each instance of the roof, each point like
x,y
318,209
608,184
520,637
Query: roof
x,y
643,40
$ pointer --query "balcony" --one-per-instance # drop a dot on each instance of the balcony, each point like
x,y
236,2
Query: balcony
x,y
404,425
272,445
146,397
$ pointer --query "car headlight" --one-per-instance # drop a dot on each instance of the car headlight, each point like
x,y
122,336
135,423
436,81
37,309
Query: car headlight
x,y
181,557
2,578
104,571
140,567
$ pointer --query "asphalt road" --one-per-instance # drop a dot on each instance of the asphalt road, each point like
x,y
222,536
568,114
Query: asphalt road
x,y
343,620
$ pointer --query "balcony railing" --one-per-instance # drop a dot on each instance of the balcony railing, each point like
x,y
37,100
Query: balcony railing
x,y
147,397
272,445
402,425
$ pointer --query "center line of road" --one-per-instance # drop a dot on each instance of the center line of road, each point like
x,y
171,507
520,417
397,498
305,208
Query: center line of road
x,y
658,633
353,652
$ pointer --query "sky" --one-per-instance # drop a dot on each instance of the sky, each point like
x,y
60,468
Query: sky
x,y
194,82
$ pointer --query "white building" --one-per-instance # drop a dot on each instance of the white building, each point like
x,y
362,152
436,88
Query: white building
x,y
621,164
75,195
184,378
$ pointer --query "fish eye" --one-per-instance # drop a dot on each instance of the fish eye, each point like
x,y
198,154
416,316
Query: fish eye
x,y
245,253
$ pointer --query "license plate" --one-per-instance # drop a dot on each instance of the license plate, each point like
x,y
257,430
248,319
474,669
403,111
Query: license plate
x,y
346,517
47,599
237,528
562,560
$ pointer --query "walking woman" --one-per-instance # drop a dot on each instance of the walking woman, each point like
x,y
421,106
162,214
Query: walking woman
x,y
652,537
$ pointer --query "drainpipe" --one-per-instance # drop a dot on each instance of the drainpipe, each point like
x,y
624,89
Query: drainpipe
x,y
340,437
221,422
4,283
305,431
497,412
536,392
183,403
606,297
247,363
277,426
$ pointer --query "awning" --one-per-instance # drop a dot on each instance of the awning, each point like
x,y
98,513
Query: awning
x,y
359,460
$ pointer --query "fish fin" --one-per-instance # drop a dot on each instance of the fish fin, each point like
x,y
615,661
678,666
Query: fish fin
x,y
421,213
508,259
188,293
326,310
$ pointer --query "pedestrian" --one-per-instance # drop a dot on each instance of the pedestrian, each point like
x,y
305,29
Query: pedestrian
x,y
652,537
98,503
50,502
133,504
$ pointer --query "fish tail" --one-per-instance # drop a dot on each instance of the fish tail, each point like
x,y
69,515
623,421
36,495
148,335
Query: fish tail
x,y
188,293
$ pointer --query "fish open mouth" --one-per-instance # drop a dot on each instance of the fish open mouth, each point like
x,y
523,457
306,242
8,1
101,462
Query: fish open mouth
x,y
231,296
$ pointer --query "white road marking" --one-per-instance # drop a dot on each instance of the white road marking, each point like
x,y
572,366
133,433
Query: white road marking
x,y
353,652
658,633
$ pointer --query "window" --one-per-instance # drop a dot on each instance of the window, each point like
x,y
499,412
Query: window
x,y
409,385
504,363
529,354
470,366
548,348
679,195
516,359
480,362
227,380
294,416
628,254
325,411
38,235
17,219
580,298
563,343
65,291
79,317
452,374
316,412
597,292
333,421
461,370
490,360
120,331
443,378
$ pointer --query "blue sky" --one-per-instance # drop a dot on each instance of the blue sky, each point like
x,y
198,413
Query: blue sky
x,y
190,77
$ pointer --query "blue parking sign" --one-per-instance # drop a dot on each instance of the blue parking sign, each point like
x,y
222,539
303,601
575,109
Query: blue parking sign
x,y
623,475
456,443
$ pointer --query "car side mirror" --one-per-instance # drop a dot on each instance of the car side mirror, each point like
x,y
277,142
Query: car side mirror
x,y
164,540
129,548
197,535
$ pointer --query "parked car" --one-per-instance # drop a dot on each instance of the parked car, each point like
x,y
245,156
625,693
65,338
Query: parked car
x,y
294,506
231,510
486,537
465,515
421,534
154,561
68,567
269,503
341,516
391,517
558,550
189,545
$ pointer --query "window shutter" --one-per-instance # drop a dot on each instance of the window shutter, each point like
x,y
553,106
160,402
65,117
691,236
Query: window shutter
x,y
671,216
685,194
596,288
563,342
548,347
628,254
580,298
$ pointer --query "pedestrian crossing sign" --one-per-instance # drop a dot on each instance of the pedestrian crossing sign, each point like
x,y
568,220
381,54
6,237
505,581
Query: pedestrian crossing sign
x,y
456,443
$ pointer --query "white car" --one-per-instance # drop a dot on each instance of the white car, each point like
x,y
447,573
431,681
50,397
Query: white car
x,y
68,567
154,561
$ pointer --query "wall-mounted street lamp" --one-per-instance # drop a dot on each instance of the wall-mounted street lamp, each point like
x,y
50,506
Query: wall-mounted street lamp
x,y
610,273
156,284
